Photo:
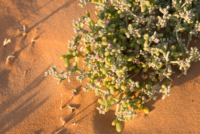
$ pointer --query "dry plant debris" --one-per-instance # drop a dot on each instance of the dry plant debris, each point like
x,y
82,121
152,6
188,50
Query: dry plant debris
x,y
6,42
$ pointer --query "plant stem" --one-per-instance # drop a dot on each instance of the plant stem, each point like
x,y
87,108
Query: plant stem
x,y
97,3
126,18
135,74
183,5
174,62
120,98
189,36
102,90
179,42
132,13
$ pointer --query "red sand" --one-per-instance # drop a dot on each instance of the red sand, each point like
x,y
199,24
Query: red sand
x,y
30,103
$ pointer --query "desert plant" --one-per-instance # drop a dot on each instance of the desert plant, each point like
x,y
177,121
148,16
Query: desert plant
x,y
129,38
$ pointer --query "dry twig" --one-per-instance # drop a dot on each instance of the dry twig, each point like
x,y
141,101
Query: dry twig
x,y
63,122
6,42
9,57
61,101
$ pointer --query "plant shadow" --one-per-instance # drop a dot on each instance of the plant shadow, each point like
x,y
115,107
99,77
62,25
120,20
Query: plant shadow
x,y
67,103
22,111
61,130
102,123
68,3
151,102
40,131
28,7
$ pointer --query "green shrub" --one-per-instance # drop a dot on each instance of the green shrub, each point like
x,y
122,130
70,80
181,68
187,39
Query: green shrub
x,y
129,38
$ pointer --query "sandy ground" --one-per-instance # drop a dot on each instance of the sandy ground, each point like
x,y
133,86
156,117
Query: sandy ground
x,y
30,103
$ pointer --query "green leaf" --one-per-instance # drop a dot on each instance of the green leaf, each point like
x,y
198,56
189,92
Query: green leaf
x,y
118,127
78,37
88,14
